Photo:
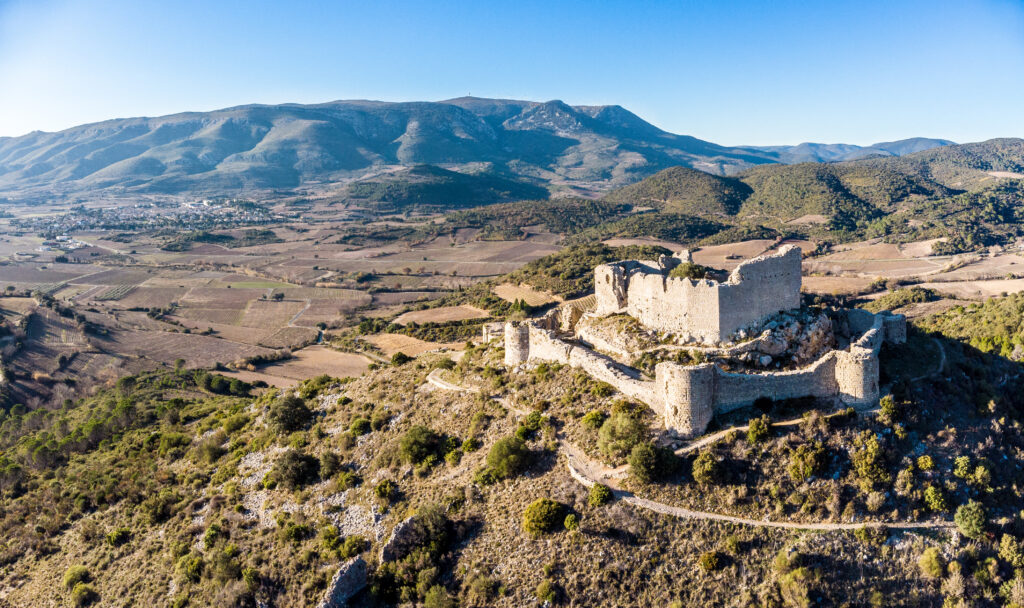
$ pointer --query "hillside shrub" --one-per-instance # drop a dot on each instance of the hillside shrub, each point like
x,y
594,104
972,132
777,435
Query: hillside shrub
x,y
806,460
417,444
709,561
75,575
868,460
360,426
572,522
543,516
758,430
546,592
294,469
508,457
160,507
83,594
935,499
386,489
400,358
619,433
599,495
118,537
706,469
190,567
289,413
593,419
970,519
931,563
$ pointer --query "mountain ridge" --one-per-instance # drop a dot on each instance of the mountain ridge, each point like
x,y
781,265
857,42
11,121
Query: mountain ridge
x,y
290,146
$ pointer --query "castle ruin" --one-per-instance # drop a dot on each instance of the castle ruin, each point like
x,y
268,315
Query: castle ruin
x,y
713,317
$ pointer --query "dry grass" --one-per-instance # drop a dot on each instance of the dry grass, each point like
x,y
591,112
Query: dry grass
x,y
442,314
533,297
393,343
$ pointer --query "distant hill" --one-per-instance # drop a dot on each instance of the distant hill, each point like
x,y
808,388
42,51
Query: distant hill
x,y
290,146
685,190
815,153
838,194
430,186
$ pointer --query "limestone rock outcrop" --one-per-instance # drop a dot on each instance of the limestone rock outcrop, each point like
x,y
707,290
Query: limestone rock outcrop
x,y
349,580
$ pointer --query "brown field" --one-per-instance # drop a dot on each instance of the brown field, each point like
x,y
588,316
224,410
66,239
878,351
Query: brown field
x,y
306,363
151,297
835,285
442,314
166,347
268,313
533,297
977,290
670,245
719,256
393,343
116,277
289,337
18,306
321,293
221,316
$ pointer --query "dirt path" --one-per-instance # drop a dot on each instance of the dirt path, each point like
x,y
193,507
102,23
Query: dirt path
x,y
291,322
588,472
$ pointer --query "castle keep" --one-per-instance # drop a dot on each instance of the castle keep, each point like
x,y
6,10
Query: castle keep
x,y
705,309
758,299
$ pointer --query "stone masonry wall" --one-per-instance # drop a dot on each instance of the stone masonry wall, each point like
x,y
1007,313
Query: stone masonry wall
x,y
702,309
687,396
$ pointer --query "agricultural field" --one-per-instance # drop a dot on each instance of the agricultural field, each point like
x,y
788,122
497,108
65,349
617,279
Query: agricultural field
x,y
442,314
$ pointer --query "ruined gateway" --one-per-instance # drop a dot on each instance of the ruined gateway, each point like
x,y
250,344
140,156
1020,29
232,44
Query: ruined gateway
x,y
759,296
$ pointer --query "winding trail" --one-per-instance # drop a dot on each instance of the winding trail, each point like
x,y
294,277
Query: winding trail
x,y
587,472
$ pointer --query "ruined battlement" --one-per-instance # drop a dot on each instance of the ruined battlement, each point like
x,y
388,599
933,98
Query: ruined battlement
x,y
688,396
704,310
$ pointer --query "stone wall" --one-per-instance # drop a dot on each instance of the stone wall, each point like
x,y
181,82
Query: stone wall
x,y
705,310
687,396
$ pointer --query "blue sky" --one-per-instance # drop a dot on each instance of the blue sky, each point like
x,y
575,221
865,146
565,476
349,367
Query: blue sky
x,y
740,72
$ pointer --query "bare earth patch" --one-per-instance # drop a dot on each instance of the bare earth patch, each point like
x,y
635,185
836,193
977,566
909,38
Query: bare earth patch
x,y
306,363
393,343
442,314
533,297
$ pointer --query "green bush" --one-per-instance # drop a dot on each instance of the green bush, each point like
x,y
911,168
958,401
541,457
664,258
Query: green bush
x,y
160,506
758,430
868,460
294,469
572,522
359,427
234,423
706,469
970,519
689,270
542,516
118,537
508,457
386,489
75,575
82,594
643,462
935,499
600,494
931,563
619,433
709,561
417,444
190,567
807,460
400,358
546,592
594,419
289,413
